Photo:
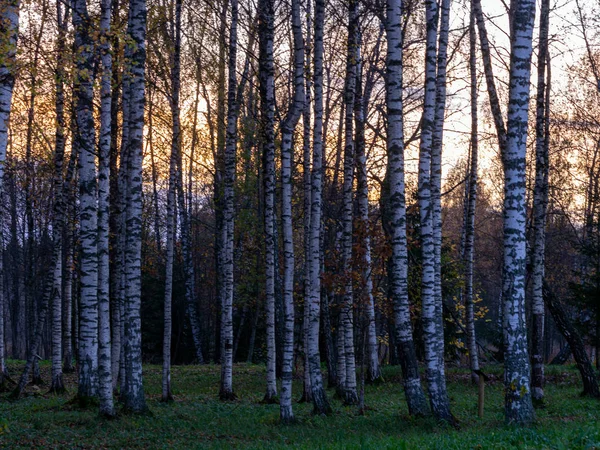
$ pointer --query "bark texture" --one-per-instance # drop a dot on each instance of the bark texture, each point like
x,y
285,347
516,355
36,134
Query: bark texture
x,y
88,197
226,392
287,153
395,210
471,199
105,388
347,307
319,396
540,205
431,310
134,90
518,405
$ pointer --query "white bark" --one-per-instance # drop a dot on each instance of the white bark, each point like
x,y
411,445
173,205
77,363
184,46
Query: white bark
x,y
320,402
306,167
105,389
471,201
57,384
518,406
9,15
347,309
430,311
88,311
68,309
415,397
287,156
171,204
540,204
436,185
226,392
134,90
188,263
266,12
362,193
167,319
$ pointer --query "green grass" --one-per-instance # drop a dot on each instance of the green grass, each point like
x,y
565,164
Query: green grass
x,y
197,419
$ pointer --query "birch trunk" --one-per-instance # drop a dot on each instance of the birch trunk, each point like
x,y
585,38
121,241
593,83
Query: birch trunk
x,y
9,15
518,406
306,122
438,397
171,205
191,303
471,200
540,204
154,174
116,268
347,310
266,11
186,246
226,391
287,156
121,229
57,384
489,75
3,369
68,309
169,251
105,388
135,58
367,302
320,402
85,134
340,341
413,391
69,297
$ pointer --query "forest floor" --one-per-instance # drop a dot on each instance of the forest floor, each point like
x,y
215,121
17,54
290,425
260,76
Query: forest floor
x,y
197,419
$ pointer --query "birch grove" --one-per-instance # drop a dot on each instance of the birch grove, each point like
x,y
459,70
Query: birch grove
x,y
330,197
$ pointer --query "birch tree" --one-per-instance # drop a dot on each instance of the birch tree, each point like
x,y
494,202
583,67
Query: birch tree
x,y
116,204
266,16
287,152
9,15
226,392
105,389
540,204
191,303
134,97
319,397
57,384
88,194
431,311
518,406
436,173
347,309
367,304
306,167
471,199
166,395
396,210
171,204
489,76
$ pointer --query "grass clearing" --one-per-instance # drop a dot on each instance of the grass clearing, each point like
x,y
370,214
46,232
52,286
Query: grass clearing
x,y
197,419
